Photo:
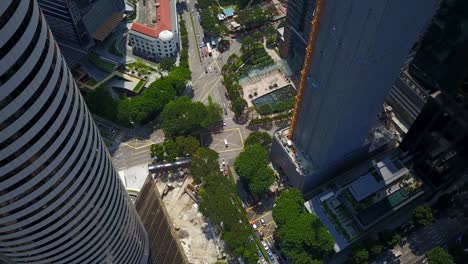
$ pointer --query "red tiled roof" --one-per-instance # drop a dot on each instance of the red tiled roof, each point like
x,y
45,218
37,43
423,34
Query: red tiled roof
x,y
163,20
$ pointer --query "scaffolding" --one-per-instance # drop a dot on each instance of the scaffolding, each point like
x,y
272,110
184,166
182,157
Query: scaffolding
x,y
306,66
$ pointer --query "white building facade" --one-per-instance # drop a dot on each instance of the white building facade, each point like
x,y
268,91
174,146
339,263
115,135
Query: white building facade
x,y
163,46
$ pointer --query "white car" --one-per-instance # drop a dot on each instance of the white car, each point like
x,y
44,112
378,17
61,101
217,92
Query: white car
x,y
224,122
263,222
254,226
265,245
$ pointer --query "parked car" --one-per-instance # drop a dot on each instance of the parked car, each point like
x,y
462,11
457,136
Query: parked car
x,y
259,253
263,222
270,255
254,226
265,245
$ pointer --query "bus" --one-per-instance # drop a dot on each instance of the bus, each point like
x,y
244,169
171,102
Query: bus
x,y
209,49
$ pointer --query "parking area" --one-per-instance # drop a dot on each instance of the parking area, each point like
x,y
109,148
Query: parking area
x,y
260,215
217,140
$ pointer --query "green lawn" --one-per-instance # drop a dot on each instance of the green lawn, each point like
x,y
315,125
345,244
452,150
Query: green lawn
x,y
138,87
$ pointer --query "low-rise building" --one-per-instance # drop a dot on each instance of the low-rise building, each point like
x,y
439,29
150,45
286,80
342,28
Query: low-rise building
x,y
366,195
158,38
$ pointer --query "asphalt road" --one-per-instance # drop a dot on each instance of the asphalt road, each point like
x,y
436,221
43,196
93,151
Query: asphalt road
x,y
422,240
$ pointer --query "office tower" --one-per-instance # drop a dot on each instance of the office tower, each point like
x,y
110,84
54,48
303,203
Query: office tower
x,y
297,29
61,200
78,25
354,54
439,61
164,244
438,139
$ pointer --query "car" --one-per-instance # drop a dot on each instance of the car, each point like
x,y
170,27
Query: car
x,y
270,255
225,111
264,261
265,245
198,35
224,162
254,226
263,222
261,235
224,122
259,253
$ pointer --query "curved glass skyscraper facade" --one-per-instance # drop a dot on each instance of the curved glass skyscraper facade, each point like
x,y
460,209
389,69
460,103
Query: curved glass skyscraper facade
x,y
60,198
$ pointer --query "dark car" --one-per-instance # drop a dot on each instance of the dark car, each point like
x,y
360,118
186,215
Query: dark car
x,y
270,255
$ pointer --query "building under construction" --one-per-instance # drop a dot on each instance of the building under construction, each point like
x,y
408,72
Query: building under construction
x,y
164,245
354,54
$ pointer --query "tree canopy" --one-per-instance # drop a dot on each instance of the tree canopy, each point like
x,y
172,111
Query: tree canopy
x,y
289,205
422,216
166,64
187,145
220,202
171,149
438,255
305,234
250,160
204,161
359,255
302,236
252,165
260,138
183,117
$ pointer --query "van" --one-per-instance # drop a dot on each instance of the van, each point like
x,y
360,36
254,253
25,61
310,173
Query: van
x,y
225,143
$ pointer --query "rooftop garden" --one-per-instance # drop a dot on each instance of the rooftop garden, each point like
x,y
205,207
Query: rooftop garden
x,y
356,205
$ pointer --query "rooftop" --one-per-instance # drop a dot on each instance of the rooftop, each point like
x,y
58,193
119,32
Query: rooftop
x,y
385,172
229,12
162,20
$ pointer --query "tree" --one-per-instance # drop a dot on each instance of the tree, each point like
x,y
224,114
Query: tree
x,y
248,43
265,109
262,180
289,205
359,255
171,149
214,114
177,83
250,160
422,216
438,255
158,152
260,138
238,106
187,145
166,64
305,233
182,116
100,102
375,249
204,161
390,238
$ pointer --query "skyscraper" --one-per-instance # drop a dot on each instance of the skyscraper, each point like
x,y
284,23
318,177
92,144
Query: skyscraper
x,y
297,29
78,24
61,200
354,54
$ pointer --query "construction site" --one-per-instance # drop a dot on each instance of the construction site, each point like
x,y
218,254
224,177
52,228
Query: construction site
x,y
199,240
